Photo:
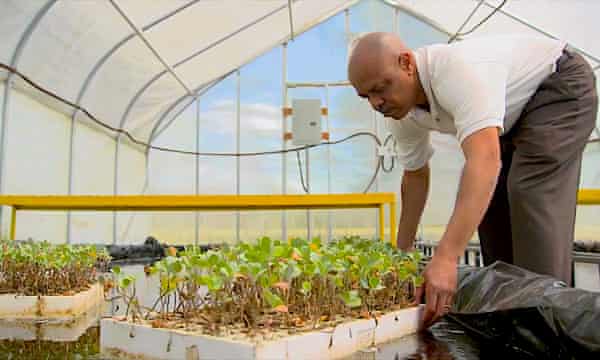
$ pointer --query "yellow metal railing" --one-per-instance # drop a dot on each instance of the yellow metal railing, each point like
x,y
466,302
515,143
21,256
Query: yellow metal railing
x,y
205,203
588,197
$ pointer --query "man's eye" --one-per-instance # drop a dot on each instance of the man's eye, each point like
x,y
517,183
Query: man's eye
x,y
380,89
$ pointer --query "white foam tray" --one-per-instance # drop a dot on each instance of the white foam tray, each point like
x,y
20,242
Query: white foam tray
x,y
125,339
50,307
49,330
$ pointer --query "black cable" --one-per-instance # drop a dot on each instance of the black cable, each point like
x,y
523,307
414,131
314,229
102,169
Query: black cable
x,y
388,170
485,19
166,149
304,186
161,148
374,175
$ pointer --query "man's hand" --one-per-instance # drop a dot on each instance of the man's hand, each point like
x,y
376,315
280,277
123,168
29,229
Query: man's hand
x,y
439,286
482,165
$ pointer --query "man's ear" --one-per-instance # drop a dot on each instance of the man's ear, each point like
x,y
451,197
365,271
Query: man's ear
x,y
405,61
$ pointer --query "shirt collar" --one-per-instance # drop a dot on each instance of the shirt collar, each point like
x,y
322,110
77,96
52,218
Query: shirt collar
x,y
421,60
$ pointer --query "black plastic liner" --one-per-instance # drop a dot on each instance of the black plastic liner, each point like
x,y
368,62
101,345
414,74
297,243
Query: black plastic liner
x,y
534,315
148,252
587,246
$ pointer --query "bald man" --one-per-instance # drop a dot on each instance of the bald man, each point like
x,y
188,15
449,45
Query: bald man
x,y
522,109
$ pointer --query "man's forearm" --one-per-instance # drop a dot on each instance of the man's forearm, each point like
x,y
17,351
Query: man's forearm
x,y
477,185
414,190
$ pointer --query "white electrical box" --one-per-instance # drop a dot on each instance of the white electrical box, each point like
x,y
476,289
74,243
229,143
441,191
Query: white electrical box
x,y
306,121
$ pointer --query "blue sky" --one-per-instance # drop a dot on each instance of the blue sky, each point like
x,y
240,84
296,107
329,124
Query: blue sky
x,y
317,55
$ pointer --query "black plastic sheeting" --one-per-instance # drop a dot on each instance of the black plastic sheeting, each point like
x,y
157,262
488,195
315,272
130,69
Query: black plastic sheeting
x,y
148,252
587,246
532,315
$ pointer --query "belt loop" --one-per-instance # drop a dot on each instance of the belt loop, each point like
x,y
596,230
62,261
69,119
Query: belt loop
x,y
565,53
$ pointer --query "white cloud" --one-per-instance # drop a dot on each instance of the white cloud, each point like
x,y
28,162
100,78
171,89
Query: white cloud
x,y
255,117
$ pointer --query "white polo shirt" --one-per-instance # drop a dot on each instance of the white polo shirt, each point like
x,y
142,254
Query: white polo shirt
x,y
470,85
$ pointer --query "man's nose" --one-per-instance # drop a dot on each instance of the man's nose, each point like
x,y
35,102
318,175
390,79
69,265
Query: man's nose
x,y
376,102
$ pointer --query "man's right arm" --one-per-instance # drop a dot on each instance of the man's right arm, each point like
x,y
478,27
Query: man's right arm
x,y
413,192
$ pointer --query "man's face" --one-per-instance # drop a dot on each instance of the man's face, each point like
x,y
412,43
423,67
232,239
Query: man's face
x,y
388,85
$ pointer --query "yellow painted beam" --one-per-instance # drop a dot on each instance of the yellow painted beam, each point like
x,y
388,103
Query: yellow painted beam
x,y
200,202
588,197
13,222
382,222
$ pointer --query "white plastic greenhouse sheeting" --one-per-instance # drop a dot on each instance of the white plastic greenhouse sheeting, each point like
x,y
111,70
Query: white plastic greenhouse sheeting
x,y
86,52
572,21
72,38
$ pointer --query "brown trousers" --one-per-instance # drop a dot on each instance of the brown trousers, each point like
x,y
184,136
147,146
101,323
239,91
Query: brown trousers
x,y
531,219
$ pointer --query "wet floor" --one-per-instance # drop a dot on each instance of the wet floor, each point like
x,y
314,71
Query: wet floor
x,y
444,341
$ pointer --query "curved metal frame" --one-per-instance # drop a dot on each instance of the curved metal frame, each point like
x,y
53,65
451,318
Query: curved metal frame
x,y
199,91
8,85
169,69
92,74
156,77
87,82
25,37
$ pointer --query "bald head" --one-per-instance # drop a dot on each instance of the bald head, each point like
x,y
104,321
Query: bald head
x,y
374,49
383,70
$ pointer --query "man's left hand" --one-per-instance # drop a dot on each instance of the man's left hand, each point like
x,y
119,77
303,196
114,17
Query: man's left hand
x,y
439,286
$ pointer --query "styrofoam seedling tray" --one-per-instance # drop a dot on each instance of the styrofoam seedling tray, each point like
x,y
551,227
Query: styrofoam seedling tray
x,y
125,339
59,307
587,276
49,330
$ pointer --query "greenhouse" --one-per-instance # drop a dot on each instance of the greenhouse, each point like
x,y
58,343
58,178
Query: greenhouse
x,y
214,185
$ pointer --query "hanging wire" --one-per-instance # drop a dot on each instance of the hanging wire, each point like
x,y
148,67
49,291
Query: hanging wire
x,y
459,34
462,26
385,142
380,160
167,149
104,125
304,186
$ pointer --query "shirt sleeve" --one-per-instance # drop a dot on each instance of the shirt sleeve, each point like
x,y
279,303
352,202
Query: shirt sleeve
x,y
413,145
473,93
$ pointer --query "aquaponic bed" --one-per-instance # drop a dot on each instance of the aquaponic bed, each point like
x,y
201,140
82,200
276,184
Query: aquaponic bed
x,y
41,281
268,300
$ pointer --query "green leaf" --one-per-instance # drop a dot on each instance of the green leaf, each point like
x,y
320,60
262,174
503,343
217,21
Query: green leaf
x,y
292,271
264,244
310,269
215,283
176,267
213,259
351,299
116,270
279,251
419,280
166,284
264,281
126,281
272,299
402,274
297,242
375,283
306,287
